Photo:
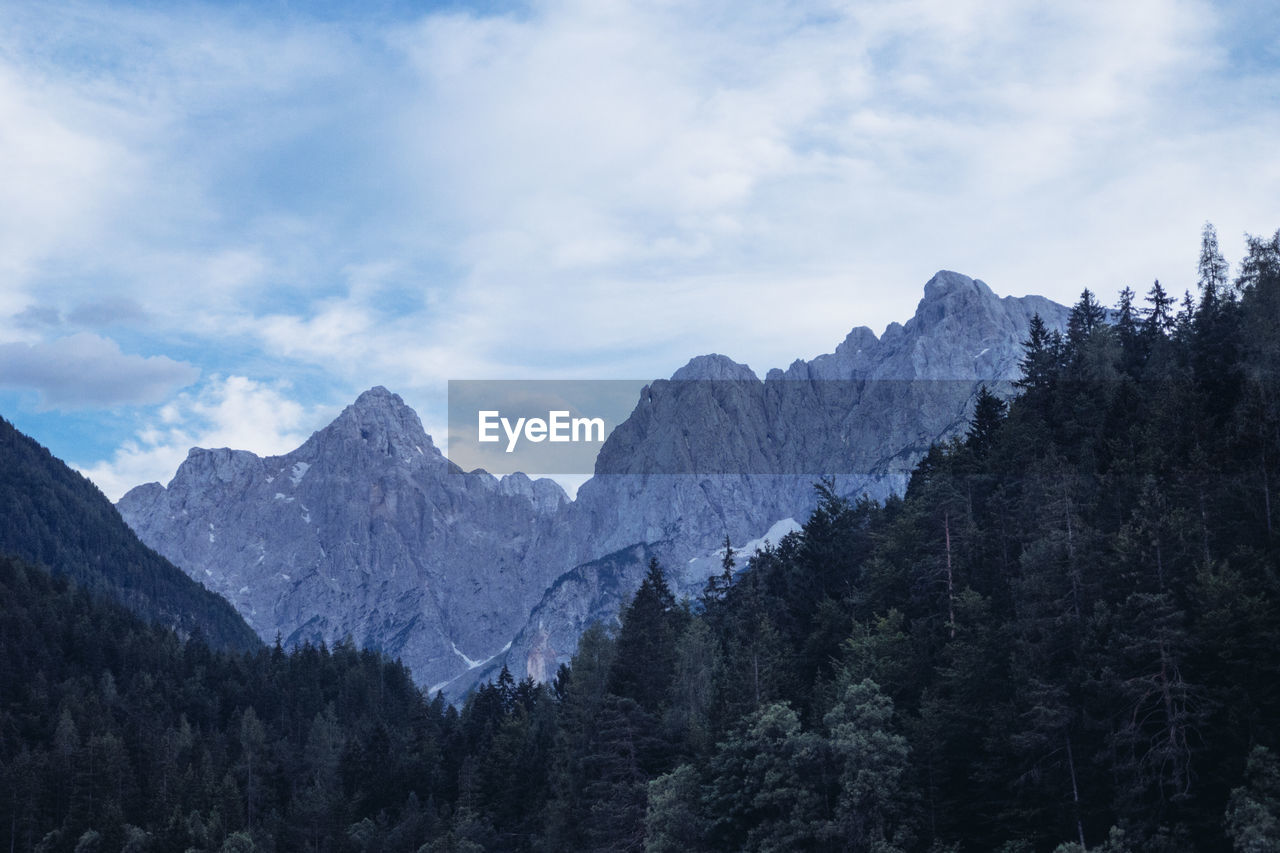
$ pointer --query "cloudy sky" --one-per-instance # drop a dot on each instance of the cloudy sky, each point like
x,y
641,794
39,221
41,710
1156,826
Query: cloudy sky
x,y
221,222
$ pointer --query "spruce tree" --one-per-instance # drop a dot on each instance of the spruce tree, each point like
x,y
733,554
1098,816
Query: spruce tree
x,y
1213,268
1159,320
1038,361
1086,315
988,413
646,647
1128,329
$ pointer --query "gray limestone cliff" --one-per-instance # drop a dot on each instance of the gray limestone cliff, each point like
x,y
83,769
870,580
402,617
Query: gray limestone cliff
x,y
717,451
365,530
368,531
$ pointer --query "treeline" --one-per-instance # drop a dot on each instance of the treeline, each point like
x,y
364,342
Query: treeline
x,y
55,517
117,735
1061,638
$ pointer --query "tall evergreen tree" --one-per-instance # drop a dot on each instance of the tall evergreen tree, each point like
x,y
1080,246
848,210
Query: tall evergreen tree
x,y
1129,331
646,650
988,414
1212,269
1159,320
1261,264
1086,315
1039,361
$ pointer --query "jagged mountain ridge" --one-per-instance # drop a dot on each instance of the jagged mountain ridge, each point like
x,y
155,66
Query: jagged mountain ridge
x,y
865,413
379,536
361,531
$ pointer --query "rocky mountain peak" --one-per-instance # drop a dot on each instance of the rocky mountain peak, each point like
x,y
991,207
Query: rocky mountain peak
x,y
380,405
381,421
949,284
368,530
951,296
715,366
858,339
545,494
219,463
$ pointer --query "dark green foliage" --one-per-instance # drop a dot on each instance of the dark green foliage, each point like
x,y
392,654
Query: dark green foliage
x,y
1213,268
1072,611
112,726
646,645
1062,638
1039,360
1253,813
52,516
1159,320
988,413
1086,317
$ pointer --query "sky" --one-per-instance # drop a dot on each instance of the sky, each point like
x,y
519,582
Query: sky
x,y
220,222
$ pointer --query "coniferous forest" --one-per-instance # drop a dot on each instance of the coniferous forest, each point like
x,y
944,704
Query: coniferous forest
x,y
1063,637
55,517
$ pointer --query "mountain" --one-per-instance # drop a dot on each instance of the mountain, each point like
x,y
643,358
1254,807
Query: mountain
x,y
863,414
1074,604
715,451
368,530
53,516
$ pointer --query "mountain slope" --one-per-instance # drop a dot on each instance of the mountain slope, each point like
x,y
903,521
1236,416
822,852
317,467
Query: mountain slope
x,y
117,735
365,530
715,451
53,516
368,530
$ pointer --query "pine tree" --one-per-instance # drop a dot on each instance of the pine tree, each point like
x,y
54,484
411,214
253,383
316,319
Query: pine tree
x,y
1262,263
988,413
1086,316
646,655
772,786
506,686
1184,322
1159,320
1038,364
1212,268
718,585
253,739
1133,347
873,761
698,670
726,564
1253,813
1156,736
674,823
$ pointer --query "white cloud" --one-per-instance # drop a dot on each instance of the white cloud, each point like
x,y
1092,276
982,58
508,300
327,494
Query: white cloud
x,y
604,189
85,370
62,170
231,412
105,312
677,174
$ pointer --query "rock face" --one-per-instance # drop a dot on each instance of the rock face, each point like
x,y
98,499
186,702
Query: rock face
x,y
367,530
715,451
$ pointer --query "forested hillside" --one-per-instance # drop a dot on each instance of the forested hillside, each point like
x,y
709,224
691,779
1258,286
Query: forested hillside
x,y
116,734
1061,638
53,516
